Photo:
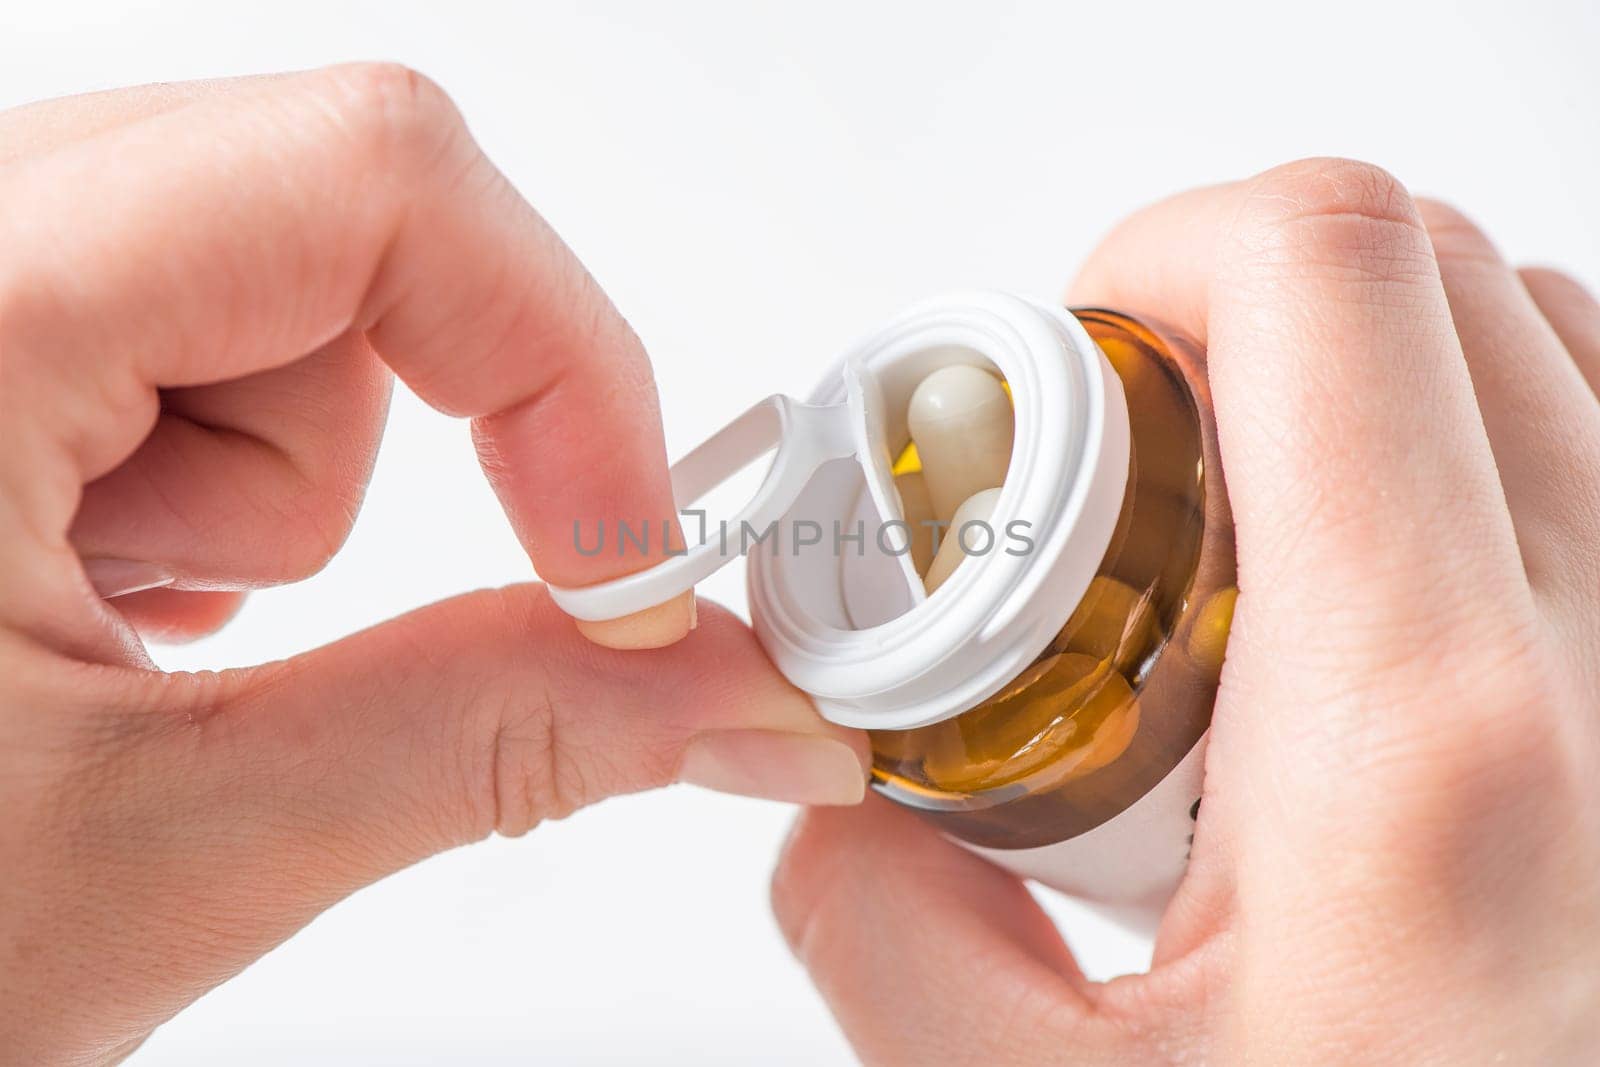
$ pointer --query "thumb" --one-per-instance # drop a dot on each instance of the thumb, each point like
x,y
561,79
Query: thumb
x,y
926,953
232,808
490,713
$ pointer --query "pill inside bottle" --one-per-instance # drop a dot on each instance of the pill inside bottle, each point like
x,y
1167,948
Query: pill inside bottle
x,y
960,419
1123,691
969,533
1022,700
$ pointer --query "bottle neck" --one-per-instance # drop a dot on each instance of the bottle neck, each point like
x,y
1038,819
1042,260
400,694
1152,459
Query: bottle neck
x,y
933,657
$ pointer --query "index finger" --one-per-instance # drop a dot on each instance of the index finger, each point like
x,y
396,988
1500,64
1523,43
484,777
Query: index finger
x,y
1359,472
240,232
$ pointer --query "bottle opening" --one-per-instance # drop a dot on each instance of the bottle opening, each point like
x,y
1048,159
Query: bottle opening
x,y
856,625
837,596
1067,743
934,522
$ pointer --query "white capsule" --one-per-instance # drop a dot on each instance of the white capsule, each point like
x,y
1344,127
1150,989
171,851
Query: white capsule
x,y
961,539
961,421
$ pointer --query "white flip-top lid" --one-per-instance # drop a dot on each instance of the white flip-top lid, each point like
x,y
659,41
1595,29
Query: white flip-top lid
x,y
845,618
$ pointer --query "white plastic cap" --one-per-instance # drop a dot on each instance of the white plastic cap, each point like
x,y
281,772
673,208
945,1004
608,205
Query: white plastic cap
x,y
847,621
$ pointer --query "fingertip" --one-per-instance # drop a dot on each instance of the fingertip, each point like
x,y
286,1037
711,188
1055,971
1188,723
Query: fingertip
x,y
773,765
177,616
657,627
858,742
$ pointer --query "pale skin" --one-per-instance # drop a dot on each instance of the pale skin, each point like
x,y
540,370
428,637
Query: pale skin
x,y
1397,859
265,253
203,292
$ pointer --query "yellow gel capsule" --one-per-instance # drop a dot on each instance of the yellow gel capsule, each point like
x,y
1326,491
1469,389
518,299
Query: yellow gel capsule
x,y
1029,677
1208,639
1113,621
961,422
1114,735
1080,716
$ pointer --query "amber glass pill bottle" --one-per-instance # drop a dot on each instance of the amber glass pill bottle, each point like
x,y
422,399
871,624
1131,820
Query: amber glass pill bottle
x,y
1047,703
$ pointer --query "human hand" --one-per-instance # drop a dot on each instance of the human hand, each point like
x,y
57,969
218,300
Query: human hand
x,y
1398,856
202,290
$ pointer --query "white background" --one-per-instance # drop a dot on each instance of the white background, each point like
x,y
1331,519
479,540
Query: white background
x,y
756,187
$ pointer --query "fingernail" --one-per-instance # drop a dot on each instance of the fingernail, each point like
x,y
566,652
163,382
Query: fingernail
x,y
654,627
119,577
774,765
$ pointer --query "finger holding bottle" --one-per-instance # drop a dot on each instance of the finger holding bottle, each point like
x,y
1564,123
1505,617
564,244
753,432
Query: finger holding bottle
x,y
1400,721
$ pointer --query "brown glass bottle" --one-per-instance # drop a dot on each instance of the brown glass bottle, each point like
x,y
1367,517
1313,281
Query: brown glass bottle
x,y
1124,692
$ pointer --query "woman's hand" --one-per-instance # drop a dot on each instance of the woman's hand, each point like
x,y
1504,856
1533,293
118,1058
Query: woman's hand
x,y
202,292
1398,857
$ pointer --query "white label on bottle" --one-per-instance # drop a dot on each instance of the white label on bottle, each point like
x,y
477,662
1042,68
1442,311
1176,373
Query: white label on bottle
x,y
1127,867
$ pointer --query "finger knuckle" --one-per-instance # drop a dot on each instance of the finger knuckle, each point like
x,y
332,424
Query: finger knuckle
x,y
495,759
390,112
522,768
1313,188
1338,217
530,781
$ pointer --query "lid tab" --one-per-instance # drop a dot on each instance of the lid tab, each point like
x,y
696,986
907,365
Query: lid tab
x,y
805,435
844,635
